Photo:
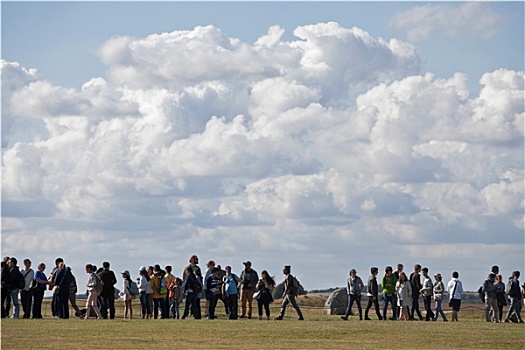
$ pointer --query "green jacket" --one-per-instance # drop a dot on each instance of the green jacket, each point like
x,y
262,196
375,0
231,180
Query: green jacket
x,y
389,284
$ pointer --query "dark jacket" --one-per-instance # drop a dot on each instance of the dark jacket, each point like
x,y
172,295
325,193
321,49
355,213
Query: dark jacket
x,y
109,279
288,285
13,277
63,279
415,283
189,284
249,279
372,286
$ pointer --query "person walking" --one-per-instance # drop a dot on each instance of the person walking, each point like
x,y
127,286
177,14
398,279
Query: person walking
x,y
415,281
354,288
513,290
489,291
372,294
455,289
439,290
230,291
404,295
427,290
290,293
108,291
265,287
501,297
389,292
93,287
248,281
73,289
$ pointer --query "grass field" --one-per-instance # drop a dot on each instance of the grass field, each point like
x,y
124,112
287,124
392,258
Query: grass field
x,y
318,331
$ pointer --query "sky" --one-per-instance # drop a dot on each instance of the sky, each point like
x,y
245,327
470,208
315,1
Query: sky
x,y
326,136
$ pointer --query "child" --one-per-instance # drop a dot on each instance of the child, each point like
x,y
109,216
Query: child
x,y
126,294
175,295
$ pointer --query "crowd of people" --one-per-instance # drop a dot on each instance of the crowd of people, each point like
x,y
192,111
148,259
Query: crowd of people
x,y
162,295
403,293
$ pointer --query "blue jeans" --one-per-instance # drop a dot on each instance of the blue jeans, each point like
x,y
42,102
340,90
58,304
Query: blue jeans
x,y
159,303
439,311
14,299
415,307
389,298
144,302
351,299
174,309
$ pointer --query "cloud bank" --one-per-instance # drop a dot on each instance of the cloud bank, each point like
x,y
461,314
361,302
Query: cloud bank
x,y
197,142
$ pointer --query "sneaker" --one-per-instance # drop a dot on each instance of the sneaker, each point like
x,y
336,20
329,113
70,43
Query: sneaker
x,y
368,319
302,319
242,316
344,318
278,318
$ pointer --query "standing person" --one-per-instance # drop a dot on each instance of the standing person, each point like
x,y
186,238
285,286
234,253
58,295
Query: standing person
x,y
198,292
389,292
516,297
427,290
51,279
373,293
289,294
126,294
194,264
38,292
175,294
5,288
144,291
439,289
170,279
73,289
93,287
108,291
210,265
501,298
265,287
220,274
248,281
354,288
400,268
415,281
189,292
159,292
13,283
404,295
213,287
455,288
489,290
150,293
63,281
26,294
230,291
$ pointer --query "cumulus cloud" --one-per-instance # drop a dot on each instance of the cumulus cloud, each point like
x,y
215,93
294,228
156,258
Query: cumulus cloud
x,y
202,143
473,18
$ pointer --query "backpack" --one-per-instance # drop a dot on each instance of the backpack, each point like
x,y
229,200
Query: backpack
x,y
481,294
508,288
21,283
133,288
295,286
162,288
97,286
198,287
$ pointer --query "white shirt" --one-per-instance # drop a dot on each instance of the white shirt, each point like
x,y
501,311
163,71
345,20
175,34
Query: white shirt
x,y
28,278
458,291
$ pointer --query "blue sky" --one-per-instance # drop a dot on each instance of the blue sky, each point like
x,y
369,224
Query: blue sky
x,y
322,135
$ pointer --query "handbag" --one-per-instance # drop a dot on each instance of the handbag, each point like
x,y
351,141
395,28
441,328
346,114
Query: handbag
x,y
437,296
56,289
257,295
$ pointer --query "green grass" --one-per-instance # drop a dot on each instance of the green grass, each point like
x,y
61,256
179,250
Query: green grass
x,y
317,332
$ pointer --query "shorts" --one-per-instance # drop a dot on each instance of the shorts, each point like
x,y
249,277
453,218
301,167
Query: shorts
x,y
455,304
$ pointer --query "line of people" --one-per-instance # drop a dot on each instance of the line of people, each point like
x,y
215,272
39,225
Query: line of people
x,y
403,294
161,293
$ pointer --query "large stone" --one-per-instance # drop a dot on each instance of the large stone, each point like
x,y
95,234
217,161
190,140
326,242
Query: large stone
x,y
277,292
336,302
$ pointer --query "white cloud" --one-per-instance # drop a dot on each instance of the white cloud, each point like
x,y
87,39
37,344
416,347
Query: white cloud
x,y
194,136
472,18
